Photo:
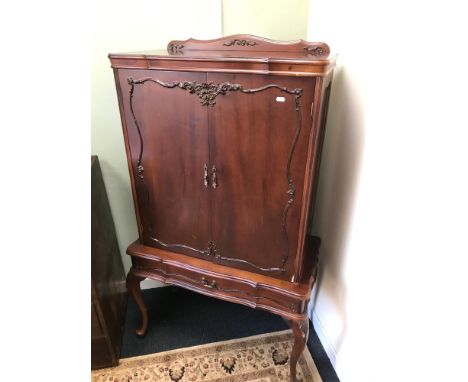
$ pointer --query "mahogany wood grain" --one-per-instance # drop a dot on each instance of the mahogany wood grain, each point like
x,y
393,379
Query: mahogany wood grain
x,y
134,288
108,294
210,61
223,140
248,288
300,329
122,110
258,156
322,96
168,144
236,54
244,42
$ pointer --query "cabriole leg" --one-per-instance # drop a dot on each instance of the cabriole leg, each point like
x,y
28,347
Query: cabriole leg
x,y
300,329
133,287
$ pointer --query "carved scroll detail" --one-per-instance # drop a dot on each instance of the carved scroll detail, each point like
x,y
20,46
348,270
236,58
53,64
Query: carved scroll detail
x,y
291,192
203,282
245,42
314,50
139,166
207,92
205,252
174,48
240,42
140,170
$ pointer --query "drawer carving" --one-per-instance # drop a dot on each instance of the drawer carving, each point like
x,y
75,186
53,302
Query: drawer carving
x,y
215,285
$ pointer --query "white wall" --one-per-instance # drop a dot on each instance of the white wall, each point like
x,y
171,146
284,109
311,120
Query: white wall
x,y
123,26
275,19
392,204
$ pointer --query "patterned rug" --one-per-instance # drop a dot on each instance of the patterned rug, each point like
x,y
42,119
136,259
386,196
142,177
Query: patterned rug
x,y
263,358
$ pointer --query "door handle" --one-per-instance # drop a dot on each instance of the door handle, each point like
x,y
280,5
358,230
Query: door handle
x,y
214,178
206,179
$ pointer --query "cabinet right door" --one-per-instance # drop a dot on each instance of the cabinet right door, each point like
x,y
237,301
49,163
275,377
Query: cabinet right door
x,y
259,131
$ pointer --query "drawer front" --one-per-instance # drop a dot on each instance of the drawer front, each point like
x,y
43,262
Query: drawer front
x,y
219,285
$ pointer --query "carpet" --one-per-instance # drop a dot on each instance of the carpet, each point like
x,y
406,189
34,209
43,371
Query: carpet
x,y
261,358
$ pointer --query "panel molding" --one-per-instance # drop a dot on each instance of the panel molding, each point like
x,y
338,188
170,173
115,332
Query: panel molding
x,y
207,93
204,283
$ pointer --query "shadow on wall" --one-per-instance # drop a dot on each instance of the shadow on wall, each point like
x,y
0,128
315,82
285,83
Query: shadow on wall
x,y
339,171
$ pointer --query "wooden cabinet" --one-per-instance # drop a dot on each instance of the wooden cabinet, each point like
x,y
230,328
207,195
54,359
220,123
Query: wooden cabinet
x,y
108,293
223,141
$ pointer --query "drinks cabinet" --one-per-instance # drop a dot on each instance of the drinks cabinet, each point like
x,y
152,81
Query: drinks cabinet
x,y
223,139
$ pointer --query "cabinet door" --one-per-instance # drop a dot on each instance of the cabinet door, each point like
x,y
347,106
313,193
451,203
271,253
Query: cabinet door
x,y
259,134
168,142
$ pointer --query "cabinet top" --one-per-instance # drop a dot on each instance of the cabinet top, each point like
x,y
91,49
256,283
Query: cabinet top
x,y
236,53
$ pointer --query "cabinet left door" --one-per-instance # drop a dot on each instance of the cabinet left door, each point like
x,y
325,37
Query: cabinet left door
x,y
166,133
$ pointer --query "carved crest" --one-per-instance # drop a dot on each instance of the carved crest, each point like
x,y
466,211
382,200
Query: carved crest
x,y
174,48
314,50
207,92
245,42
240,42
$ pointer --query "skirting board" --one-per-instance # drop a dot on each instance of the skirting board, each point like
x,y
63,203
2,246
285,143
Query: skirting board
x,y
324,339
149,284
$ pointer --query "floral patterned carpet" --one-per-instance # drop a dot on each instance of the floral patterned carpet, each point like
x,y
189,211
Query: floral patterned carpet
x,y
262,358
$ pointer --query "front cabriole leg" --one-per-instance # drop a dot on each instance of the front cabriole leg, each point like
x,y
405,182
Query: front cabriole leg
x,y
300,328
133,287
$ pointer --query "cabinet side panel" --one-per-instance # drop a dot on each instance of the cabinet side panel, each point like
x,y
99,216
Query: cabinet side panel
x,y
306,261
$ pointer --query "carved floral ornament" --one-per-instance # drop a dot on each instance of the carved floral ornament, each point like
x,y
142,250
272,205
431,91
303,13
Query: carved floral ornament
x,y
314,50
208,91
175,47
240,42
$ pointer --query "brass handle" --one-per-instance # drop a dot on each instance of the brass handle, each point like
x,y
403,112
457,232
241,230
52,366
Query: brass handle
x,y
214,177
207,284
206,179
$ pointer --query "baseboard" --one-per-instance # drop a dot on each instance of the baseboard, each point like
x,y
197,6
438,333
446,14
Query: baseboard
x,y
149,284
324,339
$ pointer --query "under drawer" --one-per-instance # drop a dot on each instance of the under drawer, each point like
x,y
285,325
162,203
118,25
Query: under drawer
x,y
220,285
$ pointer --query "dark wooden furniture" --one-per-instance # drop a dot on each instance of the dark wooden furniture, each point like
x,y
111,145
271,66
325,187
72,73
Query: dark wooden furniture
x,y
108,292
223,139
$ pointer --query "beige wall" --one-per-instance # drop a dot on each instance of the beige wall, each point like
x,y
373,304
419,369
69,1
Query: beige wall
x,y
275,19
122,26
